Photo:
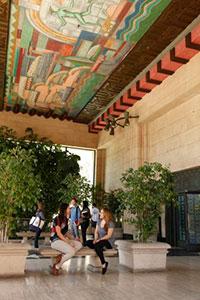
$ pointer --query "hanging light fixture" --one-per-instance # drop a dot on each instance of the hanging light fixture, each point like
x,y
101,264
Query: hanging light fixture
x,y
112,122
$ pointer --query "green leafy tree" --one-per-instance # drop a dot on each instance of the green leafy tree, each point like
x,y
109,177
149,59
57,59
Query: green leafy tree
x,y
112,201
52,164
145,191
75,186
7,139
20,188
98,195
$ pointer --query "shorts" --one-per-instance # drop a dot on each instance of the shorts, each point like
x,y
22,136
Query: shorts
x,y
93,224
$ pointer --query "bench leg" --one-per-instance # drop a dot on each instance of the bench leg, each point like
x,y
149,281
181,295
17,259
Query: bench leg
x,y
94,264
24,240
46,240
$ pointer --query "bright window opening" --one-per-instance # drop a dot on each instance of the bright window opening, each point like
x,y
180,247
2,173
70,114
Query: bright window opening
x,y
86,162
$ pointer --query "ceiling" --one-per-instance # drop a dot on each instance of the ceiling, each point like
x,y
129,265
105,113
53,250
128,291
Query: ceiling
x,y
69,59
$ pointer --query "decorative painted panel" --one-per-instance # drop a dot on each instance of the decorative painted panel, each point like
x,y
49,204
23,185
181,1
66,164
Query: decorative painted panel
x,y
61,51
4,16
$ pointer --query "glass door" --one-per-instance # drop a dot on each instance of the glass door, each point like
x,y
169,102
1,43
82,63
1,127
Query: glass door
x,y
181,221
188,221
193,203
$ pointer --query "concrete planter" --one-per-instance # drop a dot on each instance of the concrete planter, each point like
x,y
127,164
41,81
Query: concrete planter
x,y
118,233
13,258
142,256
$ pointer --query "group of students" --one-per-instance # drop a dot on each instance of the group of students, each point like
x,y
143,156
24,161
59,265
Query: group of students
x,y
82,218
64,235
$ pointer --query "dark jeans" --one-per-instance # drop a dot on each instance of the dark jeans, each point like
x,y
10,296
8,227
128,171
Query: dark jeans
x,y
99,247
37,231
84,227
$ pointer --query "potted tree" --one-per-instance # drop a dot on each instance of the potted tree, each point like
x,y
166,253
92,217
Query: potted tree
x,y
146,191
20,189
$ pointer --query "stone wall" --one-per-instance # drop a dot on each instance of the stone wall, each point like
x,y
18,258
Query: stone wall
x,y
167,131
60,132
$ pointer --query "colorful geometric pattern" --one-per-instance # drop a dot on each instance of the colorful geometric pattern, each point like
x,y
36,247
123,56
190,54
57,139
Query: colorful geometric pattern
x,y
61,51
4,16
171,61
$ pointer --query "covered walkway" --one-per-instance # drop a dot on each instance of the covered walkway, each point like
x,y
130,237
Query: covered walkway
x,y
180,281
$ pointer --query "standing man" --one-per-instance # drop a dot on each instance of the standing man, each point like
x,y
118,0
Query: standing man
x,y
75,215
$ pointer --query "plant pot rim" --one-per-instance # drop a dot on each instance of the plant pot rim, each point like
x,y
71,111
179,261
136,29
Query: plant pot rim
x,y
139,245
11,245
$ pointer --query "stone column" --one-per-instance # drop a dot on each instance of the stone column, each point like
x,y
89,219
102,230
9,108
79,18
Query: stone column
x,y
100,167
100,175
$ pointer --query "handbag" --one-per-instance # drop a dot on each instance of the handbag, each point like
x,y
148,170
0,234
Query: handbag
x,y
37,222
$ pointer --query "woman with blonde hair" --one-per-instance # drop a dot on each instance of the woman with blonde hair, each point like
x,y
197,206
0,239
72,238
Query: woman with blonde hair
x,y
103,237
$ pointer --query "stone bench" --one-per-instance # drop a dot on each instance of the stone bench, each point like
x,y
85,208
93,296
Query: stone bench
x,y
30,234
49,252
94,264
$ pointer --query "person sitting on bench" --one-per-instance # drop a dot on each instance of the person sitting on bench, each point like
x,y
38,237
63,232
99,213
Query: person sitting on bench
x,y
61,239
103,237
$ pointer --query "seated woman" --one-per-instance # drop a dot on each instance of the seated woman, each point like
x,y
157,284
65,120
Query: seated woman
x,y
103,237
61,239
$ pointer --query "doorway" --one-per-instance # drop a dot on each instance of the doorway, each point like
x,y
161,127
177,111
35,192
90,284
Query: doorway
x,y
188,221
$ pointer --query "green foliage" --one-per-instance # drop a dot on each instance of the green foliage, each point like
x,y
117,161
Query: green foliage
x,y
145,190
112,201
7,139
75,186
52,163
98,195
20,188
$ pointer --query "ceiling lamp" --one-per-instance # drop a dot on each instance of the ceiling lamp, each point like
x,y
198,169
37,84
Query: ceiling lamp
x,y
112,122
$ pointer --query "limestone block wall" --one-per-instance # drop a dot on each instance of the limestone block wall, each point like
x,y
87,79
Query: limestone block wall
x,y
121,153
174,138
167,131
60,132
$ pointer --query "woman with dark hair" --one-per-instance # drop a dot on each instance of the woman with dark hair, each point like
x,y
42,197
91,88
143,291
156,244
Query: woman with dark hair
x,y
85,221
103,237
61,239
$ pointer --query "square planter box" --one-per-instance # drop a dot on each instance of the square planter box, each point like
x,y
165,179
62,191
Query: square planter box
x,y
142,256
13,258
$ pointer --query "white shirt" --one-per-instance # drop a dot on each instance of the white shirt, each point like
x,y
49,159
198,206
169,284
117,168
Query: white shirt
x,y
95,214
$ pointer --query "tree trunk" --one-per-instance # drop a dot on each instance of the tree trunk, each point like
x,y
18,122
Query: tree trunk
x,y
4,233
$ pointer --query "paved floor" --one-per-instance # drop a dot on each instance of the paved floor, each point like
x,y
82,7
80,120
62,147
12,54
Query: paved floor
x,y
180,281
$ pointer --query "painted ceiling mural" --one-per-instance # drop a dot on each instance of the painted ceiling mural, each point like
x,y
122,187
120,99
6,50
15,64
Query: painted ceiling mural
x,y
61,51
